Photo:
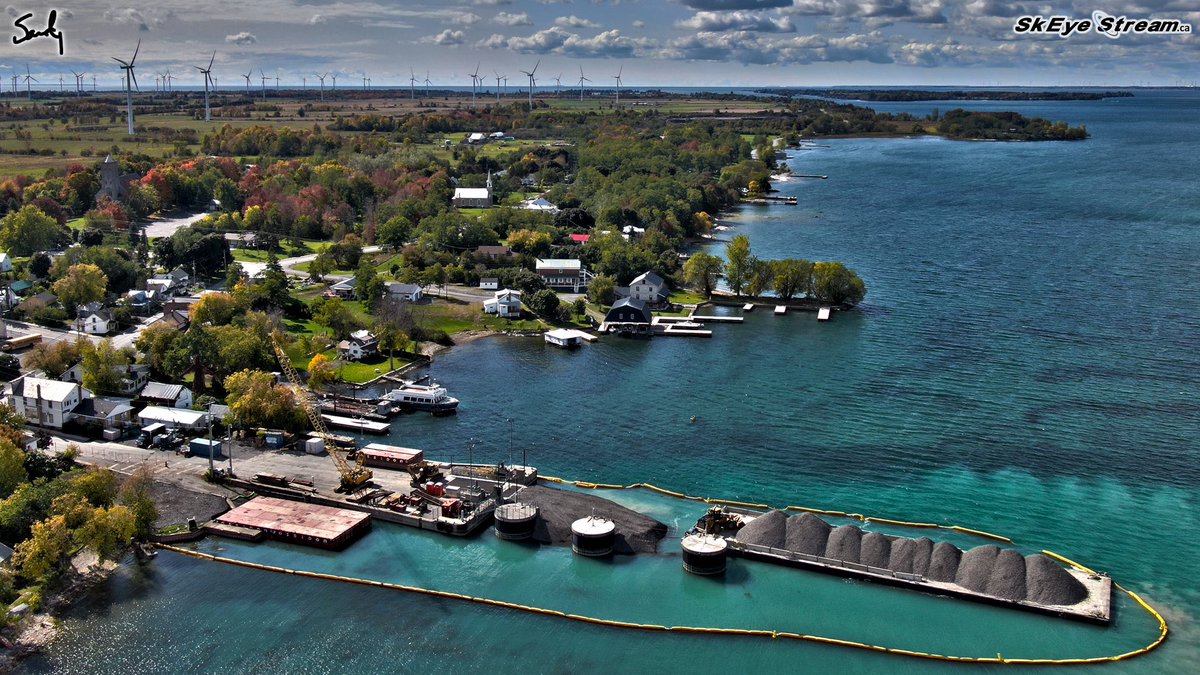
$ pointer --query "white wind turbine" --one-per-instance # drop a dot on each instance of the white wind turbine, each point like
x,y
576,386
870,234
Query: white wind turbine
x,y
333,76
532,82
582,79
427,84
264,84
558,86
474,79
618,79
29,89
247,76
498,78
130,84
322,79
207,72
412,84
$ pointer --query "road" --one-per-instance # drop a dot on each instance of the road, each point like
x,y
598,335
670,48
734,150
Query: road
x,y
121,340
289,264
166,227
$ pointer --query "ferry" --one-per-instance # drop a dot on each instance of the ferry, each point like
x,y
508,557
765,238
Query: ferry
x,y
425,397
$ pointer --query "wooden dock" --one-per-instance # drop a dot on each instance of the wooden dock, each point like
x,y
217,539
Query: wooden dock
x,y
355,424
716,319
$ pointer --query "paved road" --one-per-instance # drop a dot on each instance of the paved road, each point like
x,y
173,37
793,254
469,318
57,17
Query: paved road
x,y
166,227
288,264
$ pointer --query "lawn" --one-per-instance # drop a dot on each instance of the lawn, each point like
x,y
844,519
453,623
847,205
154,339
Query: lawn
x,y
686,297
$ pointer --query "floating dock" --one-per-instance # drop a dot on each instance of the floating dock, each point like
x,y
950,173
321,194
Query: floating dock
x,y
824,314
780,309
354,424
297,522
716,319
748,307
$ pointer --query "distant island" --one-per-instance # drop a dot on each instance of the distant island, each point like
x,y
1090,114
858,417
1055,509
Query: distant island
x,y
956,95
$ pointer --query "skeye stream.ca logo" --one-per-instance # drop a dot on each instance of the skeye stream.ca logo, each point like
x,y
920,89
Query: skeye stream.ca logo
x,y
1101,22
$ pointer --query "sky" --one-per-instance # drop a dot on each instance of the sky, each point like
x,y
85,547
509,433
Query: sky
x,y
649,42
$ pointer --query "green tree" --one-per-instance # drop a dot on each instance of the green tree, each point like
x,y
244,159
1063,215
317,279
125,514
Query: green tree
x,y
737,266
217,309
274,285
82,284
256,401
12,468
602,290
792,277
367,284
702,271
393,232
544,303
761,277
321,265
136,495
233,274
28,231
98,486
40,557
54,358
103,367
108,530
833,282
333,314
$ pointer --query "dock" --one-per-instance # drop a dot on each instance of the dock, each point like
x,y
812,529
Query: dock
x,y
297,522
807,175
748,307
780,309
716,319
678,326
783,201
356,424
824,314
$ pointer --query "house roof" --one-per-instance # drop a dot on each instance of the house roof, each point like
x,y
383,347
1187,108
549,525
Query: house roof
x,y
538,204
494,250
397,287
648,278
163,392
559,264
178,274
20,286
155,413
344,284
51,390
472,193
3,256
581,238
484,280
106,408
639,305
508,294
363,335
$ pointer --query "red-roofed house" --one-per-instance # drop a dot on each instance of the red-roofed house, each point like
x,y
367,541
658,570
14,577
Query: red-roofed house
x,y
580,238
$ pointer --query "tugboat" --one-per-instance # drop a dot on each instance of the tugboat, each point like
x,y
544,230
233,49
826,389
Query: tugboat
x,y
431,398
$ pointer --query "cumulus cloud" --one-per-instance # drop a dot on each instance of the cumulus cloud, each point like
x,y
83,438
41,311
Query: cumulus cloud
x,y
737,20
316,19
493,3
127,16
493,41
721,5
610,43
540,42
575,22
638,23
242,38
12,11
448,37
468,19
881,12
747,47
507,19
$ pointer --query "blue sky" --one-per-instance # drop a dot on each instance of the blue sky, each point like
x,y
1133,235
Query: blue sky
x,y
652,42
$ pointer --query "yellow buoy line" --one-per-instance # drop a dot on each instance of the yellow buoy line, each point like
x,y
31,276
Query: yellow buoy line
x,y
744,632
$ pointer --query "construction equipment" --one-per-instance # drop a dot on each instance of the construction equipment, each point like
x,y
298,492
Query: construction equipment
x,y
354,476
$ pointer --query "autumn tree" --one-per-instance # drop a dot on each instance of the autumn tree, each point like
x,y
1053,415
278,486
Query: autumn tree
x,y
702,270
12,467
218,309
256,401
737,266
83,283
98,486
41,556
108,530
321,372
103,366
54,358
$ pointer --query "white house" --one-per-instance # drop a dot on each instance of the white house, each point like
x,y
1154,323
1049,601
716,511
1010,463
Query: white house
x,y
141,302
5,263
175,418
506,304
538,204
93,319
48,403
409,292
649,288
343,289
476,198
489,283
161,287
362,344
563,274
167,395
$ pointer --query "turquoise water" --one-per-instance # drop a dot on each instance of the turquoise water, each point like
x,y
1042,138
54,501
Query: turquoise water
x,y
1024,364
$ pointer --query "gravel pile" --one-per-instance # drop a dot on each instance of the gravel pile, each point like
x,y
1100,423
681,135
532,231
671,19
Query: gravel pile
x,y
845,543
807,533
876,550
975,568
911,555
557,509
176,504
1008,576
769,529
943,562
1048,583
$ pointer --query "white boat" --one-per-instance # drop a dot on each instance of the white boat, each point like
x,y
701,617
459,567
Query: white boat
x,y
427,397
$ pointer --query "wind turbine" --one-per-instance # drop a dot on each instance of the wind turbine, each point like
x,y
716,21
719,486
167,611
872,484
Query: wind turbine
x,y
130,84
14,84
618,79
305,79
78,83
207,72
582,79
29,90
60,82
247,76
558,86
264,84
170,78
532,81
364,80
333,76
276,83
412,84
322,79
93,84
498,78
427,84
474,79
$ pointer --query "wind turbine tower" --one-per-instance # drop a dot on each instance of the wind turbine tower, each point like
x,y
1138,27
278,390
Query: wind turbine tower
x,y
412,84
427,84
130,84
207,72
264,84
532,82
333,76
247,76
29,90
558,86
618,79
474,79
498,78
322,79
582,79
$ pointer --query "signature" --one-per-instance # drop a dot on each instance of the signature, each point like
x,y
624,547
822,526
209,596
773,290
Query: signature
x,y
50,30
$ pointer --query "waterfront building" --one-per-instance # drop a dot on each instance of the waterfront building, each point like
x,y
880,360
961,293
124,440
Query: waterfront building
x,y
564,274
506,304
362,344
649,288
44,402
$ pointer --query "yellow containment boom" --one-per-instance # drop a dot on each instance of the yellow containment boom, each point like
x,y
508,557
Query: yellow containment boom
x,y
353,475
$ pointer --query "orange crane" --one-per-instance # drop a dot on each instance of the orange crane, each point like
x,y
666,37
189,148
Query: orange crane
x,y
354,475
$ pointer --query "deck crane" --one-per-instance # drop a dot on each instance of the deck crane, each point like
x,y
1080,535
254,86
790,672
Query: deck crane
x,y
354,475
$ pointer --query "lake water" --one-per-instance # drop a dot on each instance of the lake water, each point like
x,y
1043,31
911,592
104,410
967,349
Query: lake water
x,y
1025,363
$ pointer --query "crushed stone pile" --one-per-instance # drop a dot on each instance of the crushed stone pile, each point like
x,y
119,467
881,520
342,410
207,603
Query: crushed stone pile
x,y
943,562
769,529
558,509
876,550
975,567
845,543
1046,582
807,533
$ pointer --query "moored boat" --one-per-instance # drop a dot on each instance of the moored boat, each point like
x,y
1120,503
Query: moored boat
x,y
424,397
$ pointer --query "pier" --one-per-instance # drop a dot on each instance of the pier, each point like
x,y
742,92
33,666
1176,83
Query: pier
x,y
783,201
356,424
807,175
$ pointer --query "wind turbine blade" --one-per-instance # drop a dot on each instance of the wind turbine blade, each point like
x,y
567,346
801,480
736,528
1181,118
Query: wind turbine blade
x,y
210,61
135,52
134,78
535,67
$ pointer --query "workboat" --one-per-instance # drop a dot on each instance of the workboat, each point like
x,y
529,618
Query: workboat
x,y
425,397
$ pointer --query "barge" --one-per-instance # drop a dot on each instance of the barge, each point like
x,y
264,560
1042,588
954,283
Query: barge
x,y
310,524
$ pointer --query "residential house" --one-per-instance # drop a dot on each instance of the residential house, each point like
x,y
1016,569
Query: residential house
x,y
362,344
538,204
161,286
142,302
563,274
473,198
649,288
177,319
133,377
580,238
241,239
476,137
506,304
489,283
44,402
629,316
5,263
495,252
93,319
43,299
179,279
167,395
343,289
409,292
105,413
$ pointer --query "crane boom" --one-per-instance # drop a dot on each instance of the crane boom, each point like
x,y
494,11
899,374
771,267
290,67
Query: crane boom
x,y
353,475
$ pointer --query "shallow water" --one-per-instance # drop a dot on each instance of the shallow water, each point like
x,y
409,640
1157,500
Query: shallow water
x,y
1024,364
